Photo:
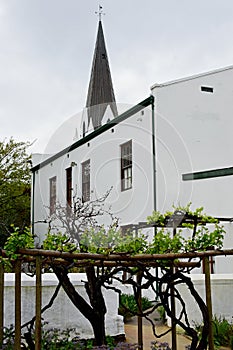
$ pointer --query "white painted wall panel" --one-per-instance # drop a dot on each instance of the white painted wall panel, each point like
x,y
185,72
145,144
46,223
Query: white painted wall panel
x,y
104,152
194,133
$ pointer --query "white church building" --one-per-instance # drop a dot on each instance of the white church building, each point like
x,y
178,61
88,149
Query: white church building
x,y
172,148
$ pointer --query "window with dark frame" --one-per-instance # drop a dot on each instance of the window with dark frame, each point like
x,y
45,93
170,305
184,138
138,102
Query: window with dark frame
x,y
69,187
126,166
52,194
86,181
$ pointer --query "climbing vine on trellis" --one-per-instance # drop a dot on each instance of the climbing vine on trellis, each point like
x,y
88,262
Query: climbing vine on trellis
x,y
106,252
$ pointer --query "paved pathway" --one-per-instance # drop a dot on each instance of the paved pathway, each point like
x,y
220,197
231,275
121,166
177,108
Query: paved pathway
x,y
131,334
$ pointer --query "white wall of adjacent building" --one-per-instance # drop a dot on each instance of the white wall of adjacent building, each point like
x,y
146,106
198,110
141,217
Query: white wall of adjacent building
x,y
194,133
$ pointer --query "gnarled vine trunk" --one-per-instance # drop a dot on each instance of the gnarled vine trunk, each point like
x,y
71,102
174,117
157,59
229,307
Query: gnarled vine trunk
x,y
95,310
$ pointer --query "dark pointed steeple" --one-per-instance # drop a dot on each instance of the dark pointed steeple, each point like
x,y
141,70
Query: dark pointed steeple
x,y
100,91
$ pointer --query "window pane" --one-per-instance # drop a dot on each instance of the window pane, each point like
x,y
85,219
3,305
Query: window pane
x,y
69,186
126,165
86,181
53,194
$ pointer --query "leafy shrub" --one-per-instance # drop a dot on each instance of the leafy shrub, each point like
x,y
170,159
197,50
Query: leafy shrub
x,y
54,338
17,240
222,331
8,340
231,342
162,313
129,307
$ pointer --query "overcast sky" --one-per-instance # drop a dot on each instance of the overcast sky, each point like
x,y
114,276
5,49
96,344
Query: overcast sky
x,y
46,50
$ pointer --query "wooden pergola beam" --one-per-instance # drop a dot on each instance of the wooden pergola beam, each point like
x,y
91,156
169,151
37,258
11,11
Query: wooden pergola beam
x,y
124,256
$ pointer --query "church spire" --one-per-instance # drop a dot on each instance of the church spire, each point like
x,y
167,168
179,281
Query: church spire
x,y
100,91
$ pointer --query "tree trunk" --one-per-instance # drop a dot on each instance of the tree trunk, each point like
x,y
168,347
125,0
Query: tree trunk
x,y
98,325
96,310
170,280
94,292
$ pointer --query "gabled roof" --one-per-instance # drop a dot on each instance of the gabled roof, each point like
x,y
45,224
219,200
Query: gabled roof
x,y
100,91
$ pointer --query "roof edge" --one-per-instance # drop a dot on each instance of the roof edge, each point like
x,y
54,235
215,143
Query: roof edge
x,y
133,110
191,77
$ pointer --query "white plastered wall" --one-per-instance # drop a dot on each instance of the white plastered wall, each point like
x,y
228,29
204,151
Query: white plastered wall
x,y
130,206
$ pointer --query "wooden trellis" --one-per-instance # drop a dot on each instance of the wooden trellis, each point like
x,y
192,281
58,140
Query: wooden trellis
x,y
41,257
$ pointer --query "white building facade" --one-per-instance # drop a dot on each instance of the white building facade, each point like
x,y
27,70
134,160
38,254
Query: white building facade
x,y
118,157
171,149
194,142
194,122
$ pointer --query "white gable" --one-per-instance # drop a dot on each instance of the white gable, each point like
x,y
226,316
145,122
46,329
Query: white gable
x,y
108,115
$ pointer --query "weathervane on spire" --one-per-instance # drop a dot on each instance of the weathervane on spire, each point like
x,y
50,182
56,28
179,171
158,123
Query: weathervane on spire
x,y
100,13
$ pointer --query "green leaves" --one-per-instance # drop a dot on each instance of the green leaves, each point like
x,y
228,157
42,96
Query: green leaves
x,y
60,242
181,215
17,240
163,243
129,307
132,244
196,231
206,238
194,236
99,241
112,240
15,182
222,331
157,218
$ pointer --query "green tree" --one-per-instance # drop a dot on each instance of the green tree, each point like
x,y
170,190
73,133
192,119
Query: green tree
x,y
15,186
